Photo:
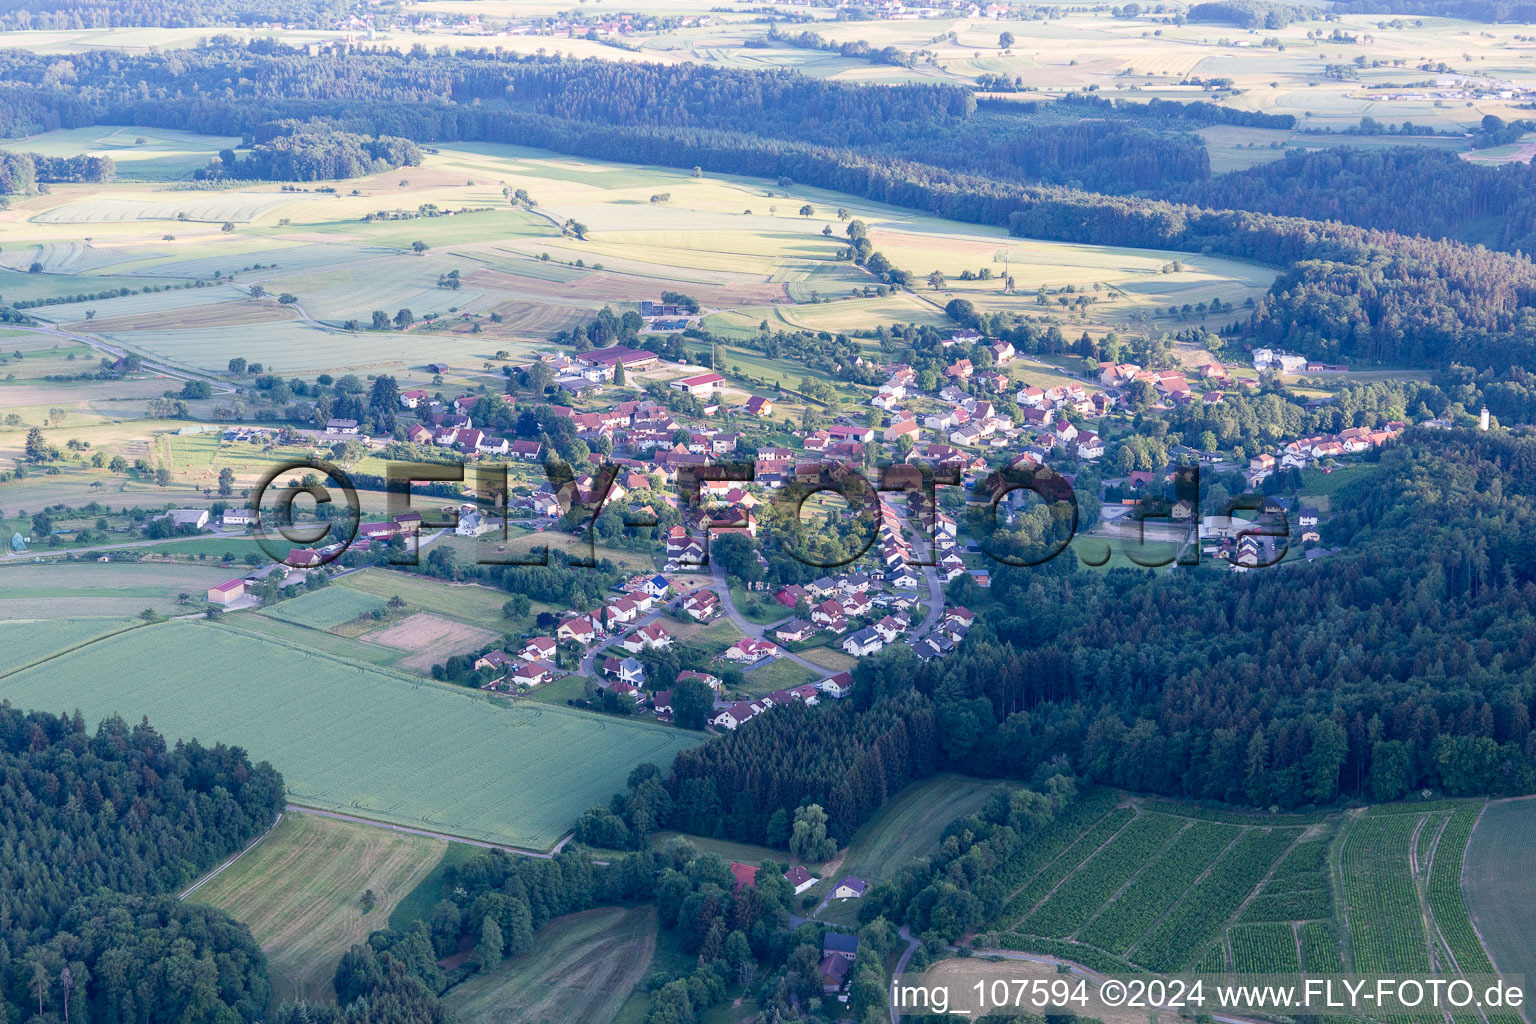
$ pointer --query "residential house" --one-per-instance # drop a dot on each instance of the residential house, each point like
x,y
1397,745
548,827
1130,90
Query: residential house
x,y
794,631
799,879
702,605
628,672
577,628
865,641
497,661
838,686
749,652
738,714
531,674
849,888
759,406
525,451
540,648
646,637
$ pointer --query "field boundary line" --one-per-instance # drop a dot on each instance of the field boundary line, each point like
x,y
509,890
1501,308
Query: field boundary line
x,y
210,876
428,833
72,649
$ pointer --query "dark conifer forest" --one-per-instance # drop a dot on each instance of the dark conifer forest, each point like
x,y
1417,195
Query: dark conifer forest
x,y
98,832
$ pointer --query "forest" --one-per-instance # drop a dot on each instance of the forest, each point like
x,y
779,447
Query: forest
x,y
1416,673
45,15
316,150
98,832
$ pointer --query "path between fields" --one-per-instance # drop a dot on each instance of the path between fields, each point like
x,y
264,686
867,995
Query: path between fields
x,y
300,809
216,872
155,366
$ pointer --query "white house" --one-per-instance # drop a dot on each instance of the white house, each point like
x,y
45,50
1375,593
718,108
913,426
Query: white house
x,y
865,641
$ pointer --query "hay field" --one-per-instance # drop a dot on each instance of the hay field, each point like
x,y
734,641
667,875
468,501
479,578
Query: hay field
x,y
582,967
431,639
300,892
357,739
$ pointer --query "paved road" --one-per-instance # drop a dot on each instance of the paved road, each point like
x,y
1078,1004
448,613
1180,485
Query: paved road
x,y
901,963
723,588
45,552
589,659
930,574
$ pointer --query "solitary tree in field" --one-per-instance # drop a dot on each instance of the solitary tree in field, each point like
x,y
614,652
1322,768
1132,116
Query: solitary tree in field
x,y
380,320
226,482
36,446
807,210
1005,41
404,319
163,477
936,280
369,900
419,247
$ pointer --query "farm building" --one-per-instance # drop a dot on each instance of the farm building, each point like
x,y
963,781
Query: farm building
x,y
194,517
699,384
226,593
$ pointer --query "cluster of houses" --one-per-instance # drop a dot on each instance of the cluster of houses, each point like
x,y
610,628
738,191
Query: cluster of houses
x,y
833,604
1304,451
452,425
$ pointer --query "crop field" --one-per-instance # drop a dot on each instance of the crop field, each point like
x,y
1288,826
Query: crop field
x,y
83,589
300,892
161,155
358,739
1097,880
582,967
23,641
1168,887
1498,885
325,609
703,241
